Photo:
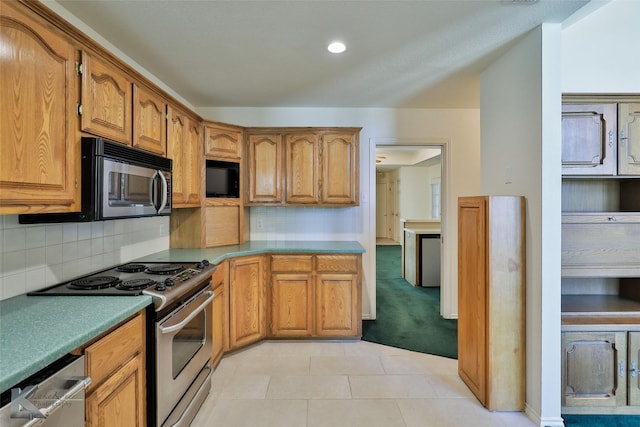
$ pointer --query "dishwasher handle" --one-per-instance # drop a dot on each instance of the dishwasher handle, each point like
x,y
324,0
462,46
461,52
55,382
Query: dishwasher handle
x,y
79,384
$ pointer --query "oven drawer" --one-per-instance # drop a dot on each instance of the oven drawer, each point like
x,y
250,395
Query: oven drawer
x,y
111,352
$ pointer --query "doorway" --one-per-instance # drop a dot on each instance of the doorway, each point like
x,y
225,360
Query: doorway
x,y
396,187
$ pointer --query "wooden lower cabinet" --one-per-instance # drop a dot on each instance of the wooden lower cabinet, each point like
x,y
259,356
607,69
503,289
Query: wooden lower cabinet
x,y
220,284
315,296
599,370
117,367
292,304
247,301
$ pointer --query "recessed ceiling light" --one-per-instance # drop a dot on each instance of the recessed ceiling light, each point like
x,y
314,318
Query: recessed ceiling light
x,y
336,47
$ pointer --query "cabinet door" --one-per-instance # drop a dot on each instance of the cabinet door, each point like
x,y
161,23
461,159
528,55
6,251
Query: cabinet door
x,y
222,225
219,282
629,147
634,368
106,100
337,304
39,147
247,298
472,300
120,400
301,169
589,139
340,175
222,141
594,368
183,142
149,121
264,165
291,304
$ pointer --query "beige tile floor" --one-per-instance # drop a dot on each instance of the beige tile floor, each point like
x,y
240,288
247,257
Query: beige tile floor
x,y
342,383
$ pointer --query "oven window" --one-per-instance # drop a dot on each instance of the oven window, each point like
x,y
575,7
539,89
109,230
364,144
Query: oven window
x,y
126,189
188,342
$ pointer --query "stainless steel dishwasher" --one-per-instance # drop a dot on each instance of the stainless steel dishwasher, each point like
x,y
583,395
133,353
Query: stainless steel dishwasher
x,y
52,397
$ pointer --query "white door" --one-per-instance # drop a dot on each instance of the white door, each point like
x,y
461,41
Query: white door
x,y
382,217
395,207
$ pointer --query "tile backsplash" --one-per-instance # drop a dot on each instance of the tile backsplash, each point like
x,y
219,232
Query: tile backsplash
x,y
40,255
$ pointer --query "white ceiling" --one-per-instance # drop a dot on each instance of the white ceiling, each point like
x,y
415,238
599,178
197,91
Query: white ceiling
x,y
390,158
402,53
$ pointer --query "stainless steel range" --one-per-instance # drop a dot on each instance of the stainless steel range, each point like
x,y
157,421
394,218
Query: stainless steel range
x,y
180,333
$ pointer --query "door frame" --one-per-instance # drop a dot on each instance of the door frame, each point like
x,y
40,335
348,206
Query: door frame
x,y
448,290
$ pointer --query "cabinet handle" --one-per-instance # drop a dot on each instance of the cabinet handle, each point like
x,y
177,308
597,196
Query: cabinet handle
x,y
621,368
612,219
633,371
611,138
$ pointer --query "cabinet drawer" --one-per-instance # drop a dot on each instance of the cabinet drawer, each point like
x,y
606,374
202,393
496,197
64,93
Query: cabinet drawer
x,y
112,351
292,263
612,244
337,263
602,218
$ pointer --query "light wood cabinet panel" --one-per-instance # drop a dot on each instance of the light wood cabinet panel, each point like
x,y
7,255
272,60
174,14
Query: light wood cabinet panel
x,y
223,224
491,283
106,100
629,147
222,141
301,185
594,368
39,149
291,304
149,121
116,365
219,284
183,146
264,163
340,175
247,301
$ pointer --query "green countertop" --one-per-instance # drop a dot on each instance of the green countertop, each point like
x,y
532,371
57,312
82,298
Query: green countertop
x,y
37,330
254,247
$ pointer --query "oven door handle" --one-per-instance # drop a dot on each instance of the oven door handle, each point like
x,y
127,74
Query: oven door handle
x,y
81,383
194,313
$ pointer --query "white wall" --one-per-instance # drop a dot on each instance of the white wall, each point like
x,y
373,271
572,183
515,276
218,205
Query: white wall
x,y
395,126
38,255
600,51
415,192
520,155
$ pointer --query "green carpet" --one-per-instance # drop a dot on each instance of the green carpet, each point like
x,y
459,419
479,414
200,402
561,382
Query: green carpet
x,y
408,317
601,420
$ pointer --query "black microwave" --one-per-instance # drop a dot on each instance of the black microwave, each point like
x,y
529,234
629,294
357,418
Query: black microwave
x,y
222,179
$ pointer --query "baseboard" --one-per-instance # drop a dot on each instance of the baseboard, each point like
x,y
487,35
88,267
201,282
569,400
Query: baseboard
x,y
534,416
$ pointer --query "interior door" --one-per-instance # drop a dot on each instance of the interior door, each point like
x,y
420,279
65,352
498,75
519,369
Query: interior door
x,y
382,211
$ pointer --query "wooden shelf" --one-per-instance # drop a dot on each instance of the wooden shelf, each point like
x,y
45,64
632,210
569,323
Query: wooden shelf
x,y
599,309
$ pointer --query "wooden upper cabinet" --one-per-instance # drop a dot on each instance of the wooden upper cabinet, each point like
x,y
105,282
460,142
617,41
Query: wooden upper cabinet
x,y
39,144
301,167
149,121
340,175
183,147
222,141
264,164
629,147
106,100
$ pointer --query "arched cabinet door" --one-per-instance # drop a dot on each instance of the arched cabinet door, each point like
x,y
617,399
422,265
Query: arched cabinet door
x,y
39,149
